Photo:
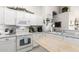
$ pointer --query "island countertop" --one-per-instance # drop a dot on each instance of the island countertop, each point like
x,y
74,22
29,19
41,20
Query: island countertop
x,y
54,44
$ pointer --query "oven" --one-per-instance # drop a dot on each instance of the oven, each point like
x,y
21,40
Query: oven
x,y
24,42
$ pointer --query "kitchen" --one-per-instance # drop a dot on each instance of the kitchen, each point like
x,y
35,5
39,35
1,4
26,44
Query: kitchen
x,y
39,28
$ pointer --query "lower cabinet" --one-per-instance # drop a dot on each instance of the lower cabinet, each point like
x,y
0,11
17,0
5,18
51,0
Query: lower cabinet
x,y
72,40
8,44
35,44
36,36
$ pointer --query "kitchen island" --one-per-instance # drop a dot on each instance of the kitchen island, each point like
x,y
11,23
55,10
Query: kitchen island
x,y
54,44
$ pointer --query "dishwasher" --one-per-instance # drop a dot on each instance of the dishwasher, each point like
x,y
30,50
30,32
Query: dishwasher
x,y
8,44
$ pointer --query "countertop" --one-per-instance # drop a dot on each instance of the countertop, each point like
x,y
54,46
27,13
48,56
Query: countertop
x,y
53,44
4,36
14,35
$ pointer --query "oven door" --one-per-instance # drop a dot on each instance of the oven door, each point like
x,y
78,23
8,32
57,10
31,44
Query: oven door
x,y
23,42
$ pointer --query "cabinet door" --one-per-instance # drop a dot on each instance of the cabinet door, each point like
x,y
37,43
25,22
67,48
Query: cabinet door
x,y
8,44
72,40
2,15
36,36
36,20
21,21
33,19
27,18
39,20
10,16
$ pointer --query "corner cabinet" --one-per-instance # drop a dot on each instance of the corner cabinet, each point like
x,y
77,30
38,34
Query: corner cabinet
x,y
22,19
10,16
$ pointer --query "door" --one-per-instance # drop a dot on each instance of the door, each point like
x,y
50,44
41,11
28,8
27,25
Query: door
x,y
10,16
8,44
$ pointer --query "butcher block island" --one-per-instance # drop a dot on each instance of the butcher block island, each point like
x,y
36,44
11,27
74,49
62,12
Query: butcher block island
x,y
56,44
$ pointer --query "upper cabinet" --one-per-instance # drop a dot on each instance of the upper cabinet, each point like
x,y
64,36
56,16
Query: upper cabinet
x,y
36,20
39,20
32,19
1,15
27,19
10,17
22,19
19,18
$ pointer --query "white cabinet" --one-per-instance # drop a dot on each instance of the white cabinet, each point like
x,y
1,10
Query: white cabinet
x,y
22,19
36,36
27,18
32,19
8,44
10,16
72,40
1,15
39,20
36,20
